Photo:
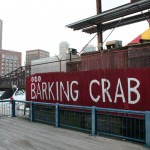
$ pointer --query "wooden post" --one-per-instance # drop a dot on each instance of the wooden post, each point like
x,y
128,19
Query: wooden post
x,y
99,26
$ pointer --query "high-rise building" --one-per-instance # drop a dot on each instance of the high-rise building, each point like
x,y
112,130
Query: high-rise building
x,y
1,29
9,61
35,54
63,47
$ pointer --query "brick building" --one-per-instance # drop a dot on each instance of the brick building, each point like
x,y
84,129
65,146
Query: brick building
x,y
9,61
35,54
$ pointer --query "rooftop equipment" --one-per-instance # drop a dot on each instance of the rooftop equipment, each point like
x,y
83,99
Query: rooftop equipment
x,y
113,44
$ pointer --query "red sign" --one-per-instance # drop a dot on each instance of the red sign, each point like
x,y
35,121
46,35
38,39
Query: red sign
x,y
116,88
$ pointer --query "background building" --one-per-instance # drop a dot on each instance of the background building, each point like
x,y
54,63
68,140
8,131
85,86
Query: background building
x,y
35,54
63,47
89,48
9,61
1,29
52,64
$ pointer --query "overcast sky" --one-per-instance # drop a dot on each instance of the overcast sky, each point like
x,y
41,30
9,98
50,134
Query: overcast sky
x,y
40,24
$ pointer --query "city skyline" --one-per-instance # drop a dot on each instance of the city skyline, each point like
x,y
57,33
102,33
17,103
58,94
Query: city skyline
x,y
41,24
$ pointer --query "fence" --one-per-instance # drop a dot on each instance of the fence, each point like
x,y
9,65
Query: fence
x,y
13,108
5,109
93,120
125,124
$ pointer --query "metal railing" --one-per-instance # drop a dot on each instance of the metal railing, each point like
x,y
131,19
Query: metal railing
x,y
5,108
121,123
125,124
13,108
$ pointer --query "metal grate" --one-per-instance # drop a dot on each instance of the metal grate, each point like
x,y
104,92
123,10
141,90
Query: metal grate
x,y
120,123
125,125
44,113
75,118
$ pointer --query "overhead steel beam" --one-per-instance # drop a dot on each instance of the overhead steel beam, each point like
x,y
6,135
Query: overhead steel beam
x,y
112,24
111,14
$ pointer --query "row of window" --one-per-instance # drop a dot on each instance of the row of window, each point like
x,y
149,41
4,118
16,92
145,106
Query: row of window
x,y
9,56
9,65
31,52
37,52
32,57
7,70
9,60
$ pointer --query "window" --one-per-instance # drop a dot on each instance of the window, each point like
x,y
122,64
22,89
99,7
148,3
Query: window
x,y
3,55
3,59
7,60
11,61
15,61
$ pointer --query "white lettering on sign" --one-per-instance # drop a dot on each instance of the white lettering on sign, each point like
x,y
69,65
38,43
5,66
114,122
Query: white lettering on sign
x,y
54,90
44,92
39,92
106,86
50,92
105,90
76,92
95,99
121,95
33,93
133,90
68,91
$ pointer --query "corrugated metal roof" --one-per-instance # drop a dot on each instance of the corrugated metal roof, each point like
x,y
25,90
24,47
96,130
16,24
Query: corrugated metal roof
x,y
112,24
111,14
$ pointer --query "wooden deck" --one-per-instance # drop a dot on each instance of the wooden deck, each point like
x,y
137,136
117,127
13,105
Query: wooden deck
x,y
21,134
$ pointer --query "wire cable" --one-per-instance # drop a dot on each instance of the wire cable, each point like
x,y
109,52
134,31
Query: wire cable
x,y
87,44
112,30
